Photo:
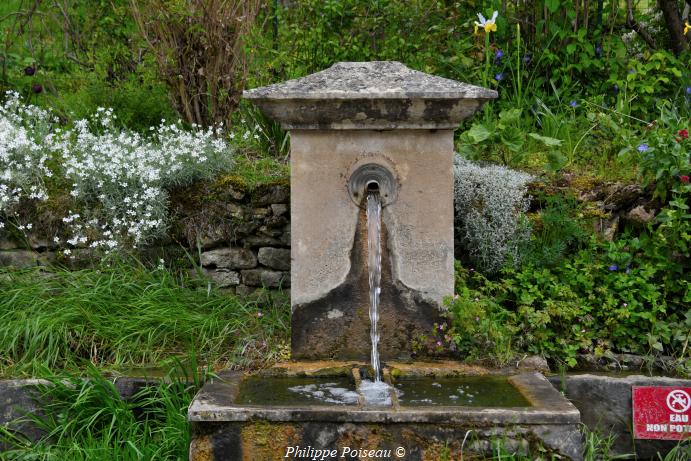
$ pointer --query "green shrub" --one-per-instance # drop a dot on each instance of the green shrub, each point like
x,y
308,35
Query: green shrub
x,y
314,34
480,327
556,232
663,150
628,296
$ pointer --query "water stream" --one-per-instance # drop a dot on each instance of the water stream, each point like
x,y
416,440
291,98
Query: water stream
x,y
376,391
374,265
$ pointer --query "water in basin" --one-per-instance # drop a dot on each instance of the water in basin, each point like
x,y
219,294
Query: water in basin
x,y
296,391
475,391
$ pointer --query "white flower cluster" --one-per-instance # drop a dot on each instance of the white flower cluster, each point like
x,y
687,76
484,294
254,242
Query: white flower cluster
x,y
119,179
23,156
490,202
629,37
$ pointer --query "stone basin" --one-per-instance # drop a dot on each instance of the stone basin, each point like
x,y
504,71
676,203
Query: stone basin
x,y
256,417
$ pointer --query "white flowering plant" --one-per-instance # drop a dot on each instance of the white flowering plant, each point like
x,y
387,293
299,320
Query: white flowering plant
x,y
118,180
23,154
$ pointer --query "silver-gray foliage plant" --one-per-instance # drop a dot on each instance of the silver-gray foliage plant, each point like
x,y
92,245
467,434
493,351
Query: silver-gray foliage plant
x,y
490,204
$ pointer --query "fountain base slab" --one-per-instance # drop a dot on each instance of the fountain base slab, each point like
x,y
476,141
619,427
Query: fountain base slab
x,y
522,412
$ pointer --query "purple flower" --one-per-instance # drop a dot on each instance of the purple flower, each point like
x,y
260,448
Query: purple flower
x,y
499,54
643,147
499,77
573,104
439,344
598,50
37,88
29,71
613,267
615,88
526,58
688,90
632,71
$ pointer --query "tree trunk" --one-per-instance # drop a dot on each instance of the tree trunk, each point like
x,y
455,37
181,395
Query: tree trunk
x,y
670,11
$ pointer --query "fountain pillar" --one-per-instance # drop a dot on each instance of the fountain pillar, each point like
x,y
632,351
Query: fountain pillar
x,y
357,128
354,124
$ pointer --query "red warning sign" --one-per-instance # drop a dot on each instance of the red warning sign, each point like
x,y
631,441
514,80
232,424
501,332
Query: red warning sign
x,y
661,412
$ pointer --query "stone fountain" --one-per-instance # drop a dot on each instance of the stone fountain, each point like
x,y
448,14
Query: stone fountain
x,y
372,259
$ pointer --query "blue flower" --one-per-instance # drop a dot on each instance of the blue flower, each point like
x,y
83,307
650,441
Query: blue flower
x,y
688,90
632,71
643,147
499,77
615,88
613,267
526,58
573,104
498,55
598,50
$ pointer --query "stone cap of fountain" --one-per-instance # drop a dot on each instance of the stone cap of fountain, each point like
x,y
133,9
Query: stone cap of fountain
x,y
376,95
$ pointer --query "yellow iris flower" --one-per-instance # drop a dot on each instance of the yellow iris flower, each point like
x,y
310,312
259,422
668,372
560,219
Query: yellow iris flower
x,y
489,25
686,27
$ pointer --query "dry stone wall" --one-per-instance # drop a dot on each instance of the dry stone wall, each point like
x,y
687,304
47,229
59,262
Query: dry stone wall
x,y
240,238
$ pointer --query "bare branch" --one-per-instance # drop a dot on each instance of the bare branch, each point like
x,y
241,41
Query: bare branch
x,y
634,25
200,53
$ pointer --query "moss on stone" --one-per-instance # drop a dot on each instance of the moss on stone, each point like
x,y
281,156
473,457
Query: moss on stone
x,y
268,441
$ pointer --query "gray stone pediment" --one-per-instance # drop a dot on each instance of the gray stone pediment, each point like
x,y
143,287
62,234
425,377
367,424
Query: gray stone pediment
x,y
370,80
370,95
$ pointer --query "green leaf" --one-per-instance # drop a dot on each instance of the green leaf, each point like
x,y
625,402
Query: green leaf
x,y
510,117
546,140
552,5
512,138
478,133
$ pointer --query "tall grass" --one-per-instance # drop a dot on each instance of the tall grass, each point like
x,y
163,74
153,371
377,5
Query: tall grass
x,y
129,316
86,419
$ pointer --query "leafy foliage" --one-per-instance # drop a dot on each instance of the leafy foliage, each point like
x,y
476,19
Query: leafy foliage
x,y
626,296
